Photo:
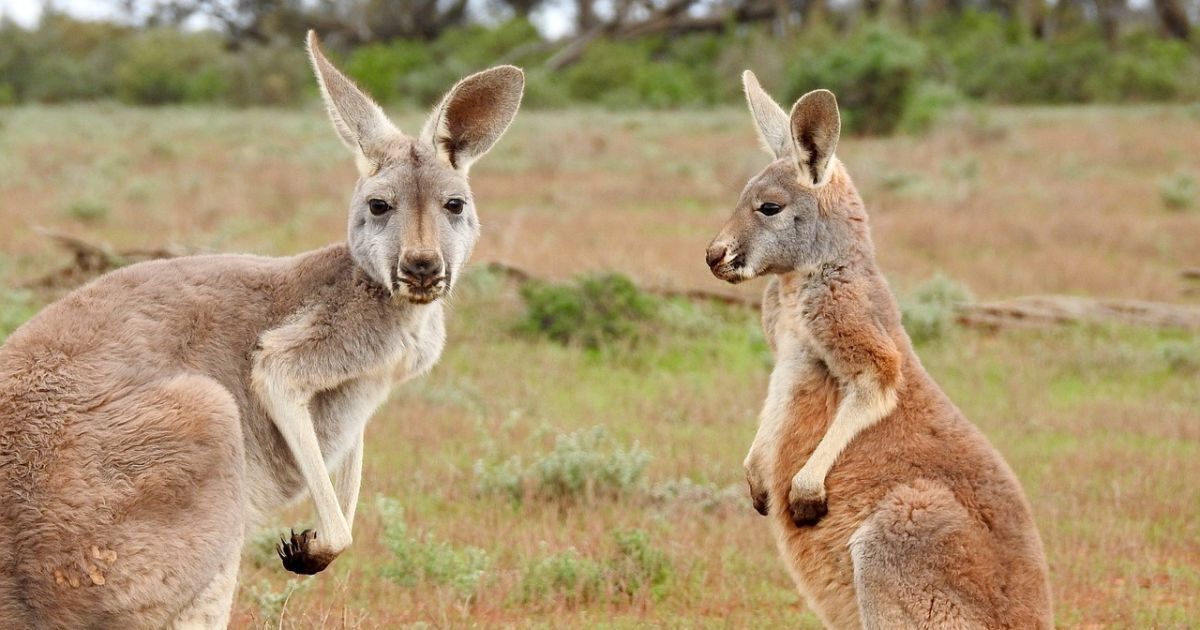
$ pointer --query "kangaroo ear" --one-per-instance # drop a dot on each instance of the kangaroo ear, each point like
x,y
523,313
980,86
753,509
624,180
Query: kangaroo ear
x,y
769,117
359,122
474,114
816,127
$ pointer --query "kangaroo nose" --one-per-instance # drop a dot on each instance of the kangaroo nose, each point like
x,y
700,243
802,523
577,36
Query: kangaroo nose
x,y
423,266
715,254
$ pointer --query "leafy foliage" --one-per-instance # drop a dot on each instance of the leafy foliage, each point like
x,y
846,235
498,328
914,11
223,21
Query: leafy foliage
x,y
582,466
1178,191
631,569
886,78
1181,356
421,558
928,311
597,310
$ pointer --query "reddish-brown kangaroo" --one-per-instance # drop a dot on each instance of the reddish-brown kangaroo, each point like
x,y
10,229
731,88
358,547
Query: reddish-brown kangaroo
x,y
890,509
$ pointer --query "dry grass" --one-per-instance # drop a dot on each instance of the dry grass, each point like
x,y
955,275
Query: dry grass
x,y
1102,430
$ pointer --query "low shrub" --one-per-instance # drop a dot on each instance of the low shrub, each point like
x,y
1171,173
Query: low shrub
x,y
272,602
874,73
164,65
1181,356
702,496
383,69
928,310
420,559
595,311
88,211
275,73
928,103
566,577
632,569
1178,191
582,466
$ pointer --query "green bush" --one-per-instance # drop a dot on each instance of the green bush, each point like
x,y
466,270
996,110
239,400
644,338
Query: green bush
x,y
637,566
88,211
422,559
991,58
566,577
1178,191
62,60
928,103
886,78
597,310
418,73
874,73
1181,356
648,72
582,466
928,311
633,568
267,74
167,66
383,69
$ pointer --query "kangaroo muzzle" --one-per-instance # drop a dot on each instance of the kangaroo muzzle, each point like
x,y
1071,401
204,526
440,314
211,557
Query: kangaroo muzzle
x,y
726,263
421,276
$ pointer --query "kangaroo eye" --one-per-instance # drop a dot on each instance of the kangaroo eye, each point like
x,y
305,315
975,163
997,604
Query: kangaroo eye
x,y
378,206
455,205
770,209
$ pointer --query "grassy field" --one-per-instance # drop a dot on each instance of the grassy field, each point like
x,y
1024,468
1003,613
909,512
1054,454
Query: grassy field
x,y
470,512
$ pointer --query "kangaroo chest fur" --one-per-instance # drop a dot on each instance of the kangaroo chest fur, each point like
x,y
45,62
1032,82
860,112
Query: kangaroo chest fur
x,y
801,395
340,358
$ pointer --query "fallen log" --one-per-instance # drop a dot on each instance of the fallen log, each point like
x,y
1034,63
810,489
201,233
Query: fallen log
x,y
1049,310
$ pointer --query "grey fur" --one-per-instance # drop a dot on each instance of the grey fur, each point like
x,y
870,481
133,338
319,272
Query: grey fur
x,y
150,418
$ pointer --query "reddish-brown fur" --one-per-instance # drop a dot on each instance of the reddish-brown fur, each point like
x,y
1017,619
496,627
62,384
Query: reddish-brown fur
x,y
897,468
890,509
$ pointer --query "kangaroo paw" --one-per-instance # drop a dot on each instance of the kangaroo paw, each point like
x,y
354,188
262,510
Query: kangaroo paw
x,y
300,554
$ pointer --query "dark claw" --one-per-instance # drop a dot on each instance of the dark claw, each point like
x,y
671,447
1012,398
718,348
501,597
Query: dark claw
x,y
808,512
297,557
761,503
758,497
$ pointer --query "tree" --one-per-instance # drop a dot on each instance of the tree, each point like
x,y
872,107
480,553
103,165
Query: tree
x,y
1174,18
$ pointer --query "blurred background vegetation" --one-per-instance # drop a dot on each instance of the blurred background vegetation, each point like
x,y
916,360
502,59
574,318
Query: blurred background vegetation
x,y
575,458
894,65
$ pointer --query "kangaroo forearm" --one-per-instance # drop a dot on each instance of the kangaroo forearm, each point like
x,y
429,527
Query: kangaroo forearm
x,y
863,407
349,480
290,416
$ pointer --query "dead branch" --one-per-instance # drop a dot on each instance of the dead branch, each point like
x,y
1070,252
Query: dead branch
x,y
91,259
1048,310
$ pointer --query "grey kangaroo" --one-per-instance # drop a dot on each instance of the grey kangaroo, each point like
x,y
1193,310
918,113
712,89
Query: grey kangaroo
x,y
152,417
